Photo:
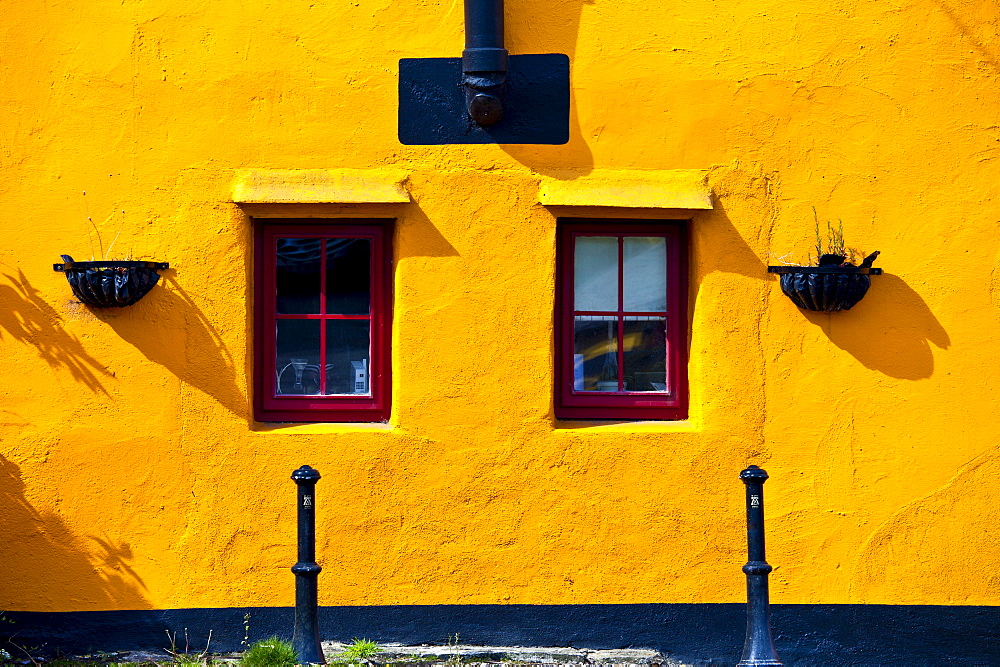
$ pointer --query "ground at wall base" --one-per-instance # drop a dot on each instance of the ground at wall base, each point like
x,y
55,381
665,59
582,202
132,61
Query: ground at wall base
x,y
821,634
399,655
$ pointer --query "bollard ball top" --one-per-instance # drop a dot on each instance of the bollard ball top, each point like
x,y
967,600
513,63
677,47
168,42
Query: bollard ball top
x,y
305,474
753,475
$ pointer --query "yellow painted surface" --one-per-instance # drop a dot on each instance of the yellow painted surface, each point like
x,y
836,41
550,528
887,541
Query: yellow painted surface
x,y
133,476
320,186
680,189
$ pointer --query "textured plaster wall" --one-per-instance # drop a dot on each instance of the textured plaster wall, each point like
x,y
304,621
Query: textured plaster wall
x,y
133,475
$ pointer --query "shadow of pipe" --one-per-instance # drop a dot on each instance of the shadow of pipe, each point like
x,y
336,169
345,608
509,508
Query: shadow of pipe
x,y
535,28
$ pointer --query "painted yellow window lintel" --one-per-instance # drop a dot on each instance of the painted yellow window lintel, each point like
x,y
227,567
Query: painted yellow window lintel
x,y
675,188
320,186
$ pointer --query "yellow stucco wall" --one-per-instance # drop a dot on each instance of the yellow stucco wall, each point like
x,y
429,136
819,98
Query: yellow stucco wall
x,y
133,475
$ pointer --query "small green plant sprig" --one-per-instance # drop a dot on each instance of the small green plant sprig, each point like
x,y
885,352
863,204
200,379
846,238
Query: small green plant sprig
x,y
185,657
456,658
245,644
360,649
836,252
835,245
100,241
270,652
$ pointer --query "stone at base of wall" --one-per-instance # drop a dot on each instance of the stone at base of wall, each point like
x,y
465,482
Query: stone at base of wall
x,y
465,655
398,655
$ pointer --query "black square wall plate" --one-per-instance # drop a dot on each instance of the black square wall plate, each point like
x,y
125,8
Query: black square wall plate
x,y
536,102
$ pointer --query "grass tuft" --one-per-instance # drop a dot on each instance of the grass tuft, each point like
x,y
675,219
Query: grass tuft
x,y
271,652
360,649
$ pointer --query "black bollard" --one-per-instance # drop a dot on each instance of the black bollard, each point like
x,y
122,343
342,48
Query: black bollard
x,y
305,639
758,649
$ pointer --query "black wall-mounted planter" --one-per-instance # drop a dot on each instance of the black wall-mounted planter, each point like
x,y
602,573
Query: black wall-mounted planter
x,y
825,289
110,284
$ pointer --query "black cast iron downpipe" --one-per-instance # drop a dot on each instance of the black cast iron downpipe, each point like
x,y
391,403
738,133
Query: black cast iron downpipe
x,y
758,649
305,638
484,61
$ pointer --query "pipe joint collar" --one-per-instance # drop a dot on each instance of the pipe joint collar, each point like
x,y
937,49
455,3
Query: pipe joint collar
x,y
487,59
757,567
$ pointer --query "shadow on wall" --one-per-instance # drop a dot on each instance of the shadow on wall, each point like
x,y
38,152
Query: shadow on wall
x,y
721,246
890,330
27,318
744,197
550,28
421,237
966,30
48,567
169,328
935,545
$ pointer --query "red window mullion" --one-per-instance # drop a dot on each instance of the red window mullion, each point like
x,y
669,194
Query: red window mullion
x,y
322,311
622,404
323,407
652,313
668,333
566,347
621,314
270,362
306,316
374,305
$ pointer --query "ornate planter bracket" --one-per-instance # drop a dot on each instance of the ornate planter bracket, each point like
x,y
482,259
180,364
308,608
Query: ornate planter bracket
x,y
825,288
110,284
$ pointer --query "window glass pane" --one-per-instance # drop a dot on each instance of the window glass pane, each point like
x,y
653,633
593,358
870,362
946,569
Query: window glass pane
x,y
645,353
645,273
348,276
298,275
297,369
595,273
595,353
347,357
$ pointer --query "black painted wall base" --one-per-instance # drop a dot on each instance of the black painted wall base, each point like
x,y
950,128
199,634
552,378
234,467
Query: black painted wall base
x,y
432,107
706,634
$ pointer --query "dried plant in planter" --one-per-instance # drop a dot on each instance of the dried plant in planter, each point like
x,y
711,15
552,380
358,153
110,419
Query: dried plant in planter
x,y
835,282
109,283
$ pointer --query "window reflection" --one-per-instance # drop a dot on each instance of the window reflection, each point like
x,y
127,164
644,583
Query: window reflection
x,y
619,319
323,304
298,275
347,345
645,353
595,353
297,368
347,276
595,273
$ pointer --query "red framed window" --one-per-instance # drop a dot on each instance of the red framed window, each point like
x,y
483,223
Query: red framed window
x,y
323,312
621,325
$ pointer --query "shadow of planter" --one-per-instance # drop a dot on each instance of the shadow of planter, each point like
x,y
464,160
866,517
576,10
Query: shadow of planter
x,y
110,284
825,288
